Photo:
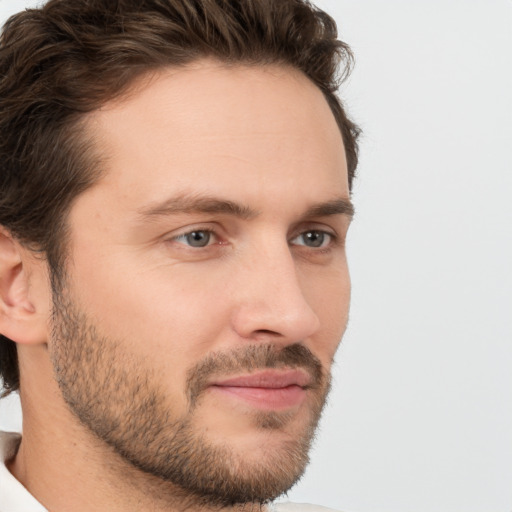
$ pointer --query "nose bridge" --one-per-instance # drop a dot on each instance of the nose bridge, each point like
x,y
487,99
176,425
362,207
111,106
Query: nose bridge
x,y
272,300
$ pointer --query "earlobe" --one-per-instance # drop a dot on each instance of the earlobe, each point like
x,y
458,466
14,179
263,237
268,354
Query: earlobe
x,y
22,315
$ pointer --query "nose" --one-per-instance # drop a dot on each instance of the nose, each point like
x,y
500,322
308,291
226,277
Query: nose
x,y
270,302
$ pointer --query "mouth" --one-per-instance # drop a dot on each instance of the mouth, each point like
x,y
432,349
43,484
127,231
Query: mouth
x,y
266,390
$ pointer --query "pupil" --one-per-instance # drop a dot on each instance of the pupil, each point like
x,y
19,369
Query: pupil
x,y
198,238
314,239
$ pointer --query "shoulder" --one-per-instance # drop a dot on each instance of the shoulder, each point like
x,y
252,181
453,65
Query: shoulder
x,y
13,496
9,442
299,507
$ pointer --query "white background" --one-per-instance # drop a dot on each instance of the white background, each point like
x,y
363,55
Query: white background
x,y
421,415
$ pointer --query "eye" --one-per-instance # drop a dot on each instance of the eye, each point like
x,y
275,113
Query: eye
x,y
196,238
314,238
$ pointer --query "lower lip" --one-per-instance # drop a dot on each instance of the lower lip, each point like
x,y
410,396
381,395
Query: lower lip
x,y
266,398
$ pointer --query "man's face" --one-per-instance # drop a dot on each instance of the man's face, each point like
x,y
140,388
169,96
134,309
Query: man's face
x,y
207,288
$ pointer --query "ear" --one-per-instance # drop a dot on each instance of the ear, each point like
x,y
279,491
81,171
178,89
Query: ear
x,y
24,305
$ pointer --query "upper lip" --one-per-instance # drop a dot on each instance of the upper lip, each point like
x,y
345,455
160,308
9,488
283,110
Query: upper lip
x,y
270,379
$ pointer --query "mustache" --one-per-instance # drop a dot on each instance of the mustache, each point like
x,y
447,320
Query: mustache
x,y
251,358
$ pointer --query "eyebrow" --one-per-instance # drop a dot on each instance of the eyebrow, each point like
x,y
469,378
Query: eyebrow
x,y
340,206
197,204
205,204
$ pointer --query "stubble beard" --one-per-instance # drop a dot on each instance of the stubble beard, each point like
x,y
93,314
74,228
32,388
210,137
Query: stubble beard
x,y
120,401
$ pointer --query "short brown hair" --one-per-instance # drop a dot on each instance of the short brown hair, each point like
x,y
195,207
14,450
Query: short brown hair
x,y
68,58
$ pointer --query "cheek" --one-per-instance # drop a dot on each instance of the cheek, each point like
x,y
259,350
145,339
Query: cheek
x,y
168,316
328,294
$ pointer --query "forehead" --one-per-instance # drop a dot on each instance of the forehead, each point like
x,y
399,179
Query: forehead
x,y
209,126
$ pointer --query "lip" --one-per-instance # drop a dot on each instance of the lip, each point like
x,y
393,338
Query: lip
x,y
267,390
270,379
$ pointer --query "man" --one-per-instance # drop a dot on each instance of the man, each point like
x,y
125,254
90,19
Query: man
x,y
175,198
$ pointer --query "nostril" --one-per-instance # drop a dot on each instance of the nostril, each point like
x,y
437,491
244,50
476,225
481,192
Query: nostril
x,y
268,331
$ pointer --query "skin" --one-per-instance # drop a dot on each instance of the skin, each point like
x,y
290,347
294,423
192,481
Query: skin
x,y
261,137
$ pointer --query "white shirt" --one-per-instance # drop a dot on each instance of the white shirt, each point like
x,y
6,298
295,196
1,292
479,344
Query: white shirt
x,y
15,498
